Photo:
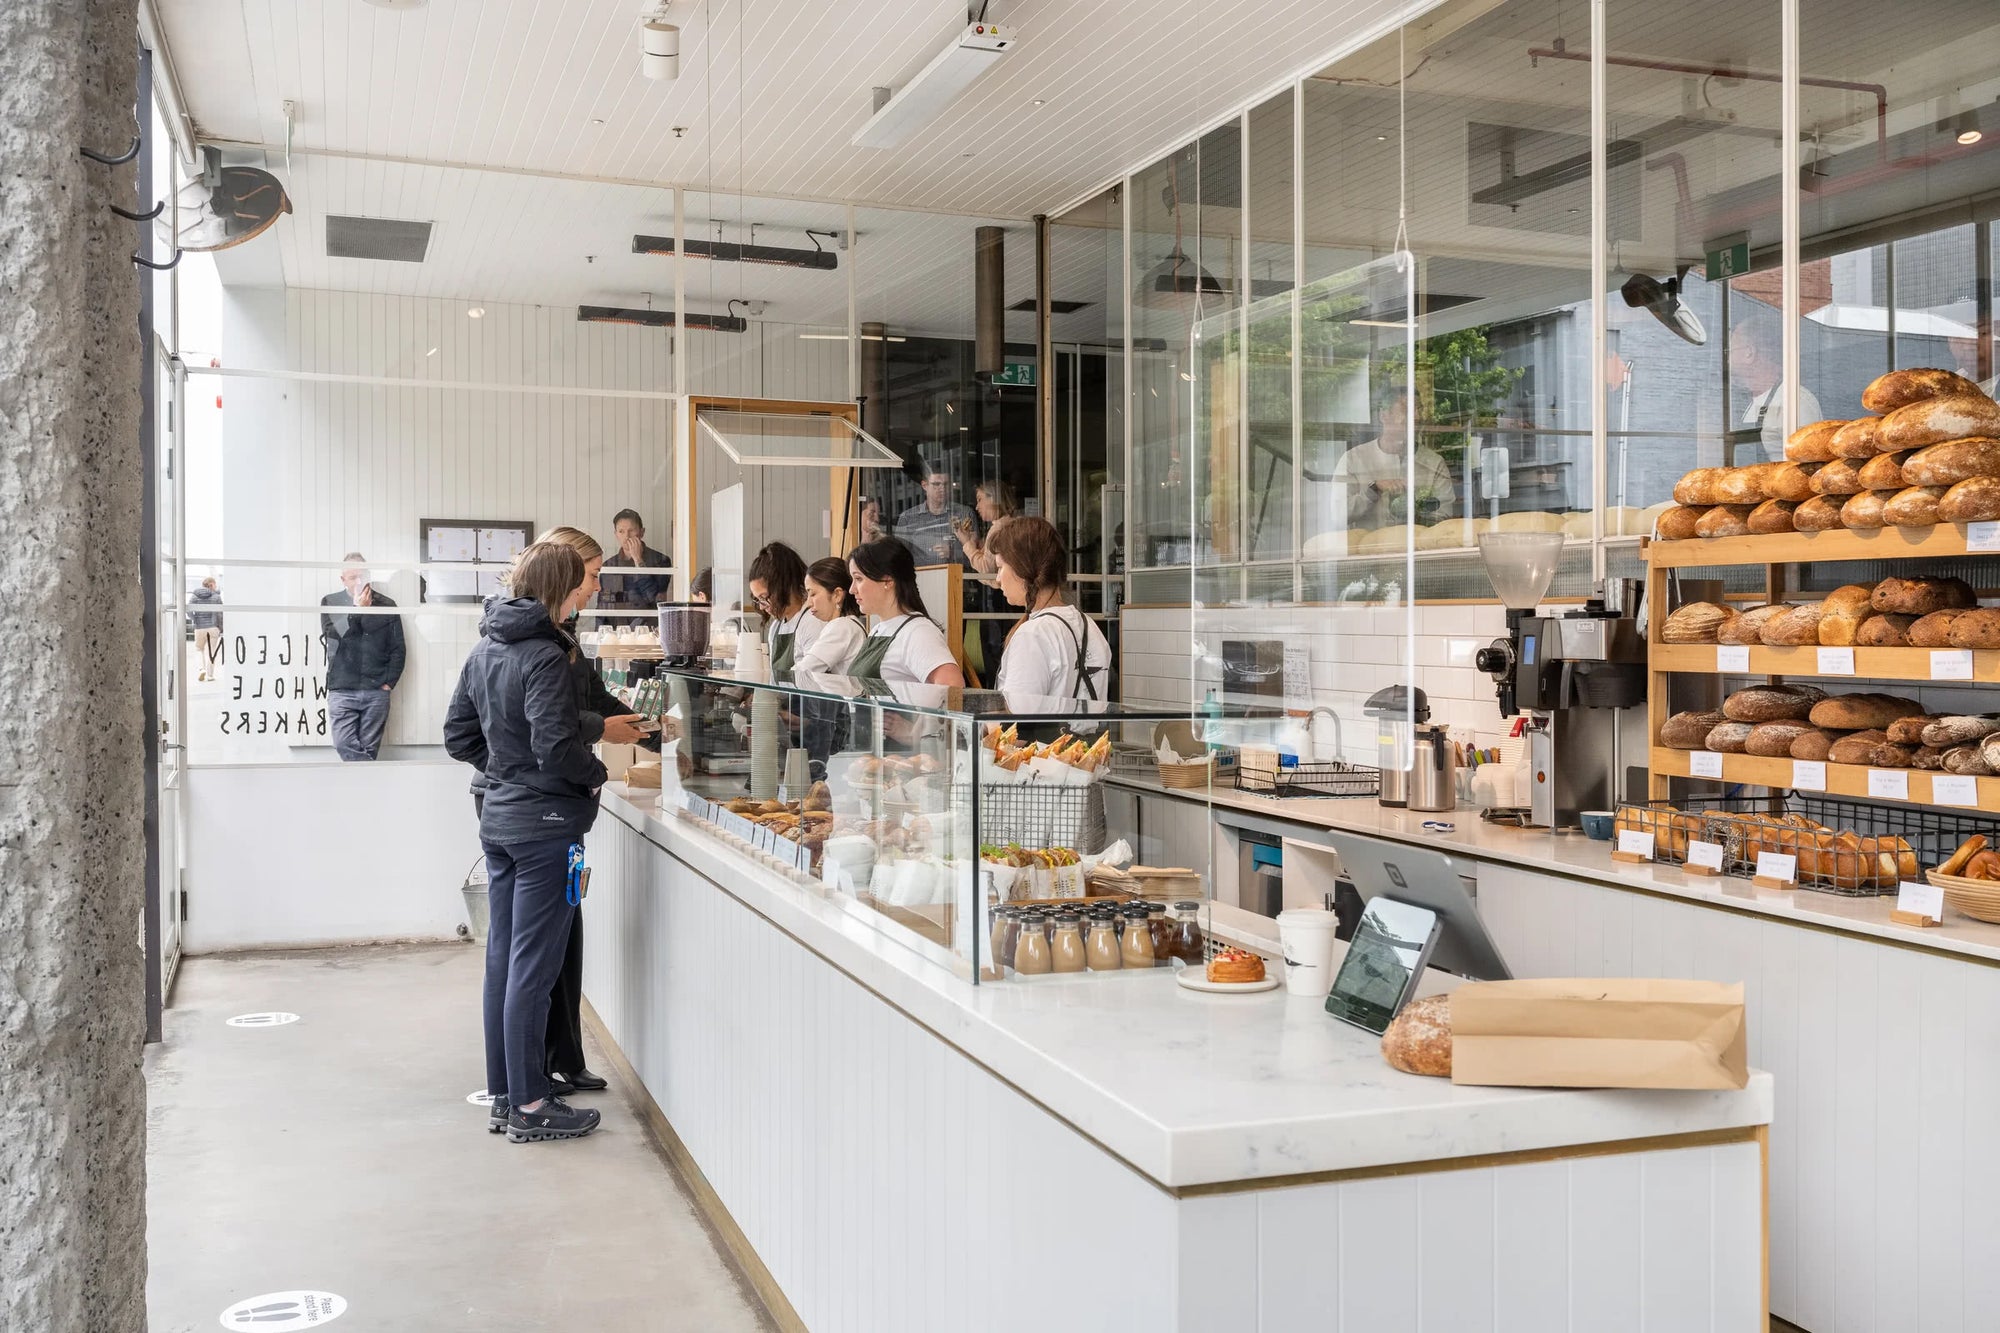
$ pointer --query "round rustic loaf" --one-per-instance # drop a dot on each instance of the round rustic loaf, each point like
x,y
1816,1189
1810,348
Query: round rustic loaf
x,y
1900,388
1933,630
1952,417
1728,520
1858,439
1697,622
1865,510
1953,461
1689,731
1884,630
1814,743
1974,500
1840,477
1772,703
1727,737
1978,628
1819,514
1748,627
1677,524
1773,740
1796,627
1862,712
1921,596
1913,507
1883,472
1418,1040
1771,516
1813,443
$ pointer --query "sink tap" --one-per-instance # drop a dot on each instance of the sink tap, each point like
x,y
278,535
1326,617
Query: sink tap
x,y
1338,752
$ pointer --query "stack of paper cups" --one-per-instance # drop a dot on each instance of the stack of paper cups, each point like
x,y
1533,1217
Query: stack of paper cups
x,y
765,729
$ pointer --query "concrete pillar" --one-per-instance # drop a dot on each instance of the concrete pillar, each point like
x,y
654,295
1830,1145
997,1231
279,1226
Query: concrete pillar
x,y
72,841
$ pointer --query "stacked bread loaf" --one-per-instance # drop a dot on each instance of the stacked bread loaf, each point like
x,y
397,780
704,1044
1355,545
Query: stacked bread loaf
x,y
1895,613
1928,454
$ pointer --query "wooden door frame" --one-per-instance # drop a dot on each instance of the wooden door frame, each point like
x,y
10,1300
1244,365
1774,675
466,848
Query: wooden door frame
x,y
846,516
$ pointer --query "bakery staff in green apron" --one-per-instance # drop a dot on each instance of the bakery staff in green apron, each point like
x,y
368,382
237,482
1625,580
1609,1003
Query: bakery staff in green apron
x,y
905,644
778,586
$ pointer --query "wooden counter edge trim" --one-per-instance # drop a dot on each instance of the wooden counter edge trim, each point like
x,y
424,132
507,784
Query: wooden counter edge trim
x,y
749,1264
1704,1138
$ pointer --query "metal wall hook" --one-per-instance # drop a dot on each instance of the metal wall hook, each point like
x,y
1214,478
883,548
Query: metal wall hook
x,y
138,217
161,268
110,161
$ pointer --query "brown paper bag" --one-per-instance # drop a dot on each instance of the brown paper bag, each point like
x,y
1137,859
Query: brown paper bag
x,y
1611,1033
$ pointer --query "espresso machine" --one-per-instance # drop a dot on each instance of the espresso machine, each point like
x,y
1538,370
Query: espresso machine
x,y
1569,676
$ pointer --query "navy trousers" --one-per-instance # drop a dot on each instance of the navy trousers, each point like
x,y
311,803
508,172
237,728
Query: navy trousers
x,y
528,927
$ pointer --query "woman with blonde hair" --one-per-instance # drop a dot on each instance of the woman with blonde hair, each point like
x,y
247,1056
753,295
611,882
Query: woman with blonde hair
x,y
514,716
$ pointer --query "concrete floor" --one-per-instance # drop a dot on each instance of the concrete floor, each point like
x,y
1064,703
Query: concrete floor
x,y
339,1154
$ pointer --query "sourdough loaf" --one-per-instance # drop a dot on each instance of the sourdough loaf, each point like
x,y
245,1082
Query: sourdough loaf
x,y
1795,628
1812,443
1748,627
1864,511
1813,743
1883,630
1969,759
1974,500
1921,596
1883,472
1872,749
1953,461
1771,516
1858,439
1772,703
1979,628
1689,731
1724,521
1933,630
1677,524
1952,417
1862,712
1913,507
1728,737
1908,730
1959,730
1819,514
1774,740
1840,477
1792,481
1841,613
1697,622
1418,1040
1899,388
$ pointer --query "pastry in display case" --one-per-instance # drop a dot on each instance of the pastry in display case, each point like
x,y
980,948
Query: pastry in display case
x,y
971,820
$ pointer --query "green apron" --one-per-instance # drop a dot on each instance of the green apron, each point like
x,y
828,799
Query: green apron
x,y
784,646
867,664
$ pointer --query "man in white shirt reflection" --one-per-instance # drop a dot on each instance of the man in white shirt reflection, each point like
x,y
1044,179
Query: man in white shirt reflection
x,y
1758,369
1374,474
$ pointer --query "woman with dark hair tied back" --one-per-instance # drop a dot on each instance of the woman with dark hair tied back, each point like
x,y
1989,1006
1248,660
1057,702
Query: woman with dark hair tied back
x,y
777,583
841,629
514,715
1054,650
906,644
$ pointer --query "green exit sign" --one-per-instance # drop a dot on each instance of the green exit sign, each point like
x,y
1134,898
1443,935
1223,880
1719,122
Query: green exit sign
x,y
1018,374
1729,261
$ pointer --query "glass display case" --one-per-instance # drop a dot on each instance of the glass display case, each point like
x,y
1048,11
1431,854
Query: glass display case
x,y
967,820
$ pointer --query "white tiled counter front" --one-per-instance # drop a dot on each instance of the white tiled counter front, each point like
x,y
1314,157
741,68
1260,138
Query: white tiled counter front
x,y
904,1150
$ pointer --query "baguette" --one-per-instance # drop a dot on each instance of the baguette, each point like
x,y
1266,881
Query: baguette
x,y
1953,461
1952,417
1883,472
1864,511
1858,439
1840,477
1913,507
1724,520
1813,443
1899,388
1974,500
1819,514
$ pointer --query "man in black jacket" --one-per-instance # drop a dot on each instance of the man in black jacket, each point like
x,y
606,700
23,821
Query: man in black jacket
x,y
364,660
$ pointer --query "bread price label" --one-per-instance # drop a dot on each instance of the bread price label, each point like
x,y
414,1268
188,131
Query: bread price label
x,y
1707,855
1704,764
1809,774
1633,843
1732,657
1920,899
1888,784
1954,789
1781,867
1836,661
1951,664
1982,536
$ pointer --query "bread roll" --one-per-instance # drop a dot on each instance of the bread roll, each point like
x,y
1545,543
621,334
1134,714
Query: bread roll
x,y
1773,740
1908,730
1933,630
1952,417
1728,737
1913,507
1812,443
1954,461
1418,1040
1884,631
1899,388
1946,732
1677,524
1858,439
1920,597
1974,500
1724,521
1862,712
1772,703
1840,477
1841,614
1698,488
1883,472
1871,749
1799,626
1792,481
1689,731
1864,511
1819,514
1697,622
1748,627
1969,760
1772,516
1979,628
1813,743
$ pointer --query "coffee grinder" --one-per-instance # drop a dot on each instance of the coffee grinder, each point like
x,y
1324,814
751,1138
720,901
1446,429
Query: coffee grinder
x,y
1569,676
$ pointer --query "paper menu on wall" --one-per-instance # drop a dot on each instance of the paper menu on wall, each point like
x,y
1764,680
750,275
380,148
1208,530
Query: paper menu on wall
x,y
500,545
1298,678
453,545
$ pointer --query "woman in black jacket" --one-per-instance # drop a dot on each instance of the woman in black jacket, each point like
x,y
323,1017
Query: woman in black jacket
x,y
514,716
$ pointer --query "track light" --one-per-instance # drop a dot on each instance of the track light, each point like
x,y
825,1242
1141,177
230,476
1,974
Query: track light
x,y
659,46
660,319
737,252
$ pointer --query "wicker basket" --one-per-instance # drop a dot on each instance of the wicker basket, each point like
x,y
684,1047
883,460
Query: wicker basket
x,y
1186,775
1977,898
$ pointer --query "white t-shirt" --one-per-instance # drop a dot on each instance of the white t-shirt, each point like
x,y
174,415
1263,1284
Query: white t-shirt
x,y
1041,655
803,627
833,647
918,650
1766,413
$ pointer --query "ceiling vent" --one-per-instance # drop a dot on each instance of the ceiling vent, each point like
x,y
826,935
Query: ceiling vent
x,y
377,238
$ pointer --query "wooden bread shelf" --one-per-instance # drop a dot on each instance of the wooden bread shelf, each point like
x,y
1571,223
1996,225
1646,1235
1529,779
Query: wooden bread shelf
x,y
1841,779
1911,664
1786,548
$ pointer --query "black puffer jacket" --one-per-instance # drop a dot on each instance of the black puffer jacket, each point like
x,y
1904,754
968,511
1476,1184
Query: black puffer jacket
x,y
362,652
594,701
514,717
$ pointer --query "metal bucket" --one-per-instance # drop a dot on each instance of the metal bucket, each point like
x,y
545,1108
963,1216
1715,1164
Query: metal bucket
x,y
474,890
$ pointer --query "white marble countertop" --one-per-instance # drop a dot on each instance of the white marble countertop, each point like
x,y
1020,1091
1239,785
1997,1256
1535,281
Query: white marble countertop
x,y
1189,1089
1580,858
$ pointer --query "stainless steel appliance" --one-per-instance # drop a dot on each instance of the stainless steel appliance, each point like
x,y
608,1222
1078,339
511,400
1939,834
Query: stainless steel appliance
x,y
1397,710
1569,675
1433,771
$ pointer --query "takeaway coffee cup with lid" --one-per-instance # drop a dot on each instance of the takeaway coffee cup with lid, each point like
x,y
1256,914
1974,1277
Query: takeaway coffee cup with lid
x,y
1307,935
